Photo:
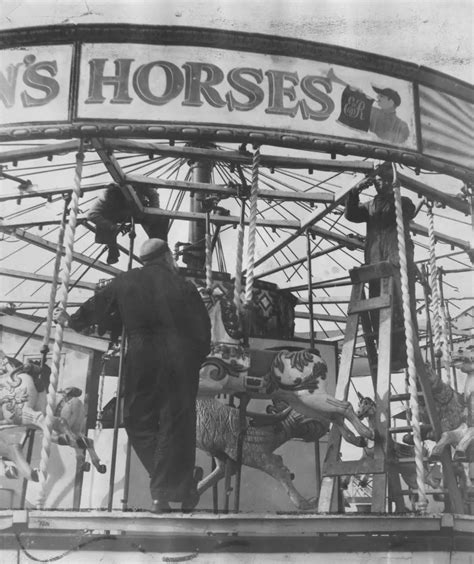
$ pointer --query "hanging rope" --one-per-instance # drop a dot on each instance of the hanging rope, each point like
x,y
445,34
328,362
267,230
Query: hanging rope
x,y
54,284
208,253
59,331
435,300
410,339
239,261
252,228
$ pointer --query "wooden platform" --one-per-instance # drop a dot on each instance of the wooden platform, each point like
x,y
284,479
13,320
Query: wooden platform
x,y
87,536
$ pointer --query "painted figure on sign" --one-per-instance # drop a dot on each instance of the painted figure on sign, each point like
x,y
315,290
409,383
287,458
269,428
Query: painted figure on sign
x,y
359,111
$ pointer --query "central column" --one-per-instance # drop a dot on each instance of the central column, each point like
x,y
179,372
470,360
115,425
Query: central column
x,y
194,255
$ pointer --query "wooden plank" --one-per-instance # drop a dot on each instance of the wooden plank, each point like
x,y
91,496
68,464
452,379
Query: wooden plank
x,y
33,193
382,392
370,304
371,272
228,191
353,467
321,317
442,237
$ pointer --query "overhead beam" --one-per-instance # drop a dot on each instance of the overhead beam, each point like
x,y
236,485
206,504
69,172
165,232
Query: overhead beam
x,y
335,282
236,157
28,153
430,193
421,230
325,300
228,191
321,317
32,193
50,246
297,262
43,278
221,219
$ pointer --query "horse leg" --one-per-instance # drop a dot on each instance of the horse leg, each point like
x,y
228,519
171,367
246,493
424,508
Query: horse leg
x,y
272,464
213,478
345,409
85,443
448,438
15,454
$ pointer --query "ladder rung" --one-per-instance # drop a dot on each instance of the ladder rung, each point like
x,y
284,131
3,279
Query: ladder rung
x,y
407,459
403,397
369,304
406,429
429,492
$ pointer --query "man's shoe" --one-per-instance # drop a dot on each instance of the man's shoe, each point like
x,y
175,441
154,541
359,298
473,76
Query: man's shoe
x,y
159,506
113,255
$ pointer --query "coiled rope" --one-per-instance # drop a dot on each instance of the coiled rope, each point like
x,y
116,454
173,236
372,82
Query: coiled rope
x,y
409,338
59,330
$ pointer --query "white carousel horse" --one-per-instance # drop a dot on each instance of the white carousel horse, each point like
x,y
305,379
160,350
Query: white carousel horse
x,y
22,405
295,377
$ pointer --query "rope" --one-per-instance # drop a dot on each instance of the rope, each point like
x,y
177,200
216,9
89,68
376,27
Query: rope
x,y
59,331
54,284
410,339
252,228
239,262
435,299
208,253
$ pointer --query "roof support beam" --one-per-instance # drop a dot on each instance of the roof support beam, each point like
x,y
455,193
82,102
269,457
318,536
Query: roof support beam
x,y
229,191
430,193
297,261
236,157
38,152
321,317
50,246
43,278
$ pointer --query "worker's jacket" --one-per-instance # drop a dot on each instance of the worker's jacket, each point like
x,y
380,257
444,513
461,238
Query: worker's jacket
x,y
165,320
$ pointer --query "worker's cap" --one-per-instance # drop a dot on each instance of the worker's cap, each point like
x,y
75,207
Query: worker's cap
x,y
389,93
152,249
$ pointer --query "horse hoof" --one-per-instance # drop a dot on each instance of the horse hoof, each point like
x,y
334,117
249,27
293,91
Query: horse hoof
x,y
11,473
102,468
86,466
34,476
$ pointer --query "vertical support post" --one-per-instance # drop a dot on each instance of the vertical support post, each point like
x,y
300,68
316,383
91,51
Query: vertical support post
x,y
195,255
410,347
59,331
317,456
118,409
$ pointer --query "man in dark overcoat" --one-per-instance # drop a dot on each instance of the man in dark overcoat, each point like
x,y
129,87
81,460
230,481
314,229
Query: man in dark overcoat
x,y
168,336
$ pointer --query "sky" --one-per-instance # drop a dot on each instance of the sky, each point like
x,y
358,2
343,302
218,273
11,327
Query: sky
x,y
435,33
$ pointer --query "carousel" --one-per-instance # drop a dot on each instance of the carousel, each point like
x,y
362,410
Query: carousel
x,y
335,409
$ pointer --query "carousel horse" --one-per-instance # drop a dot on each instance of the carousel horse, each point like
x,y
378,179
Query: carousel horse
x,y
23,403
217,433
407,470
295,377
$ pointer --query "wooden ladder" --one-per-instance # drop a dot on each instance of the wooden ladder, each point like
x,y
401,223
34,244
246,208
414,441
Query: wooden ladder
x,y
375,315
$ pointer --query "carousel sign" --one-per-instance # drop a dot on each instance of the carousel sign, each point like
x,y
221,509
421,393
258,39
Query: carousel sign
x,y
143,84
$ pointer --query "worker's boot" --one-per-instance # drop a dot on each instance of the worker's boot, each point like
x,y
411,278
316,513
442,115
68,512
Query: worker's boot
x,y
160,506
113,255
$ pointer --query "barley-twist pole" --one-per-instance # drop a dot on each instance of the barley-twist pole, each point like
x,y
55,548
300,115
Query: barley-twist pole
x,y
208,253
59,331
410,339
252,227
435,300
239,261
